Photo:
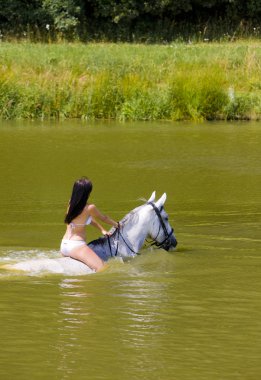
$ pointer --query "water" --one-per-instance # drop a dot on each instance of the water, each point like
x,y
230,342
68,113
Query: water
x,y
193,314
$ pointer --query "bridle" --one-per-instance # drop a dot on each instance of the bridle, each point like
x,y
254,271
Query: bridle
x,y
165,244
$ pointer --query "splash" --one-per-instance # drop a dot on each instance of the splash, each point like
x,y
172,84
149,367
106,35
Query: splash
x,y
38,262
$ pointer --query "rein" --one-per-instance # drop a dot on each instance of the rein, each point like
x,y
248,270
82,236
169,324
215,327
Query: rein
x,y
154,242
118,240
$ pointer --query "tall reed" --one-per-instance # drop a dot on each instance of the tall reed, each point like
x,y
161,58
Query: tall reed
x,y
136,82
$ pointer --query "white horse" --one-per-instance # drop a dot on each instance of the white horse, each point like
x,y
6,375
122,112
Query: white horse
x,y
148,220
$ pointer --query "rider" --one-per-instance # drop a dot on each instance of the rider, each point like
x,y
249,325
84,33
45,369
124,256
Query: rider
x,y
79,214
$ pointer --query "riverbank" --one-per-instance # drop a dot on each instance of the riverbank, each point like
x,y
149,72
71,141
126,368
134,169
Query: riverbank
x,y
204,81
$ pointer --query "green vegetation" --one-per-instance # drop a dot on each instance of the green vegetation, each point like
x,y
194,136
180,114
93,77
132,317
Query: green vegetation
x,y
130,81
129,20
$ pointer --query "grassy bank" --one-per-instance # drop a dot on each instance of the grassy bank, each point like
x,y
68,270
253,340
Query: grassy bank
x,y
138,82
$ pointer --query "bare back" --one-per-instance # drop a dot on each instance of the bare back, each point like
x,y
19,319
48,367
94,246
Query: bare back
x,y
76,229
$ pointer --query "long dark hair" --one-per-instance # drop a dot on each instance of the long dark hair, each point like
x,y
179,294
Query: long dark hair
x,y
80,194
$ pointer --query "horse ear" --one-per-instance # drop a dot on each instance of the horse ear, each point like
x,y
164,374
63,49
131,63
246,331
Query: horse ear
x,y
152,197
161,201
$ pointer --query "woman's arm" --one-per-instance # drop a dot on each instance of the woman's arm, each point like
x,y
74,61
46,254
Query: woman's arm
x,y
99,227
93,211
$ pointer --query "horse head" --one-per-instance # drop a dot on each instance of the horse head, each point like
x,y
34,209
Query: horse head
x,y
160,230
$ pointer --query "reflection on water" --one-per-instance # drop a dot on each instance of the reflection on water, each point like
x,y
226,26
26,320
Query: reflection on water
x,y
193,314
71,316
133,327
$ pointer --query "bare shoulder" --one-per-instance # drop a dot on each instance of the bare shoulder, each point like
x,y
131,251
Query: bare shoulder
x,y
90,208
86,210
93,211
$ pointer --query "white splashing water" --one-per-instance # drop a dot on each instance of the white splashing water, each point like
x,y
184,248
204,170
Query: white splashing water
x,y
38,262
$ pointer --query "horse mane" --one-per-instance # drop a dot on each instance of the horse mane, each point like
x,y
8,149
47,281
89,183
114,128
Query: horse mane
x,y
132,216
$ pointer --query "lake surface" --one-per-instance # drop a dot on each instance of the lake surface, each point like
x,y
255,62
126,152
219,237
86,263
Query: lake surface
x,y
193,314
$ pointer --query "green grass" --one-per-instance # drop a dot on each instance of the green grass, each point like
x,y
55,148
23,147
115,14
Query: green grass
x,y
137,82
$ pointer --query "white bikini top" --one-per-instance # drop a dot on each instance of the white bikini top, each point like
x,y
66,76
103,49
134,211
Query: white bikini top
x,y
88,221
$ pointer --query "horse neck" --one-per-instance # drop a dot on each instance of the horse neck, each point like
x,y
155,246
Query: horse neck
x,y
135,231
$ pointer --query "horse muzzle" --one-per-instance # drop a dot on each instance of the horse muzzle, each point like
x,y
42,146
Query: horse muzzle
x,y
170,244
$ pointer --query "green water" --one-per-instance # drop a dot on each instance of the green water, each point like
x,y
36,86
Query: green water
x,y
193,314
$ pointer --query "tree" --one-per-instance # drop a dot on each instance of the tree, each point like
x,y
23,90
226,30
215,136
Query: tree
x,y
64,14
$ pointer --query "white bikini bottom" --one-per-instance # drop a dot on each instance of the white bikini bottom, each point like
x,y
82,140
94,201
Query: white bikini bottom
x,y
68,245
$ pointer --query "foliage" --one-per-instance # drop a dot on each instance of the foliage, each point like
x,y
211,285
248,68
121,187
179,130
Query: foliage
x,y
18,14
130,20
64,14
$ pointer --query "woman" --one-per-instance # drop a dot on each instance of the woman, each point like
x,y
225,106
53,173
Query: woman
x,y
79,214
